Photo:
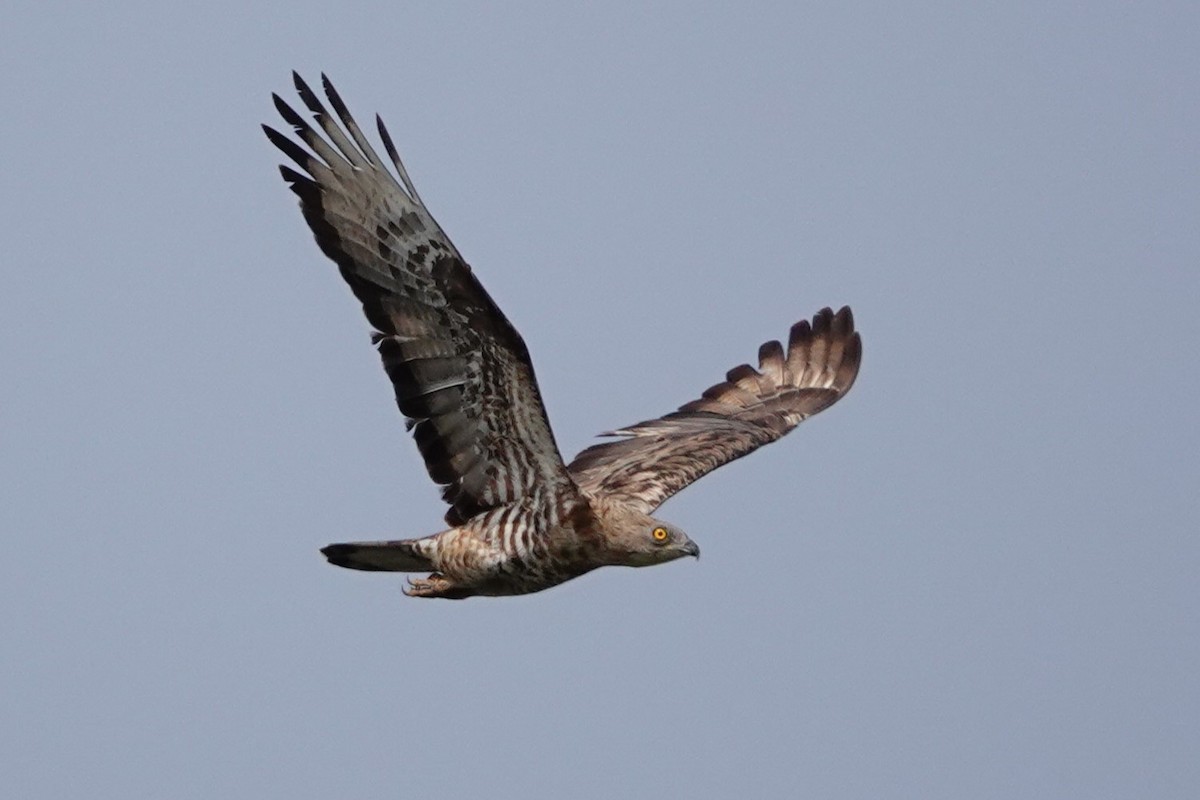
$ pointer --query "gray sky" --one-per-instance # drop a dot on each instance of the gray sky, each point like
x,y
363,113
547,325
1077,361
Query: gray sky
x,y
974,577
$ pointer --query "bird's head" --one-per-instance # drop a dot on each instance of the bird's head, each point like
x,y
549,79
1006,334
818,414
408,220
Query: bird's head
x,y
639,540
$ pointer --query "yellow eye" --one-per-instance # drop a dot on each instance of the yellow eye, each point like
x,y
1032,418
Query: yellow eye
x,y
660,534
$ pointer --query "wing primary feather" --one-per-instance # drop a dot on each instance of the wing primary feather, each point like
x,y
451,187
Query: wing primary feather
x,y
322,149
351,126
302,185
772,362
304,159
396,162
335,134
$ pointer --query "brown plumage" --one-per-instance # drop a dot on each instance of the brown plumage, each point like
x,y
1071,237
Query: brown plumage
x,y
520,520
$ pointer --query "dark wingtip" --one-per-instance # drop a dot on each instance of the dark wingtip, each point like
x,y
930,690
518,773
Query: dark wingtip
x,y
333,96
308,96
843,320
275,136
386,137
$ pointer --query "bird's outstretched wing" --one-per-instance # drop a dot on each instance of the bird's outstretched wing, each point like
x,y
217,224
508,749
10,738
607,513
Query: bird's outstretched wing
x,y
462,373
655,459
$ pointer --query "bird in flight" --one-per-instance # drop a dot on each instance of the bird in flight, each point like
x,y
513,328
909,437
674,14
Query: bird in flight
x,y
521,519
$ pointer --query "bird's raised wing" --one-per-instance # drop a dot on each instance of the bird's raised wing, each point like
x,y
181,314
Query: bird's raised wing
x,y
462,374
656,458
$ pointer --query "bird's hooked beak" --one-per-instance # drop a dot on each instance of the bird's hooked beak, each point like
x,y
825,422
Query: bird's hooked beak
x,y
692,549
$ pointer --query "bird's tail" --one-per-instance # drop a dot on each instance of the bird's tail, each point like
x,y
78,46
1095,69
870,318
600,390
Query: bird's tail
x,y
398,556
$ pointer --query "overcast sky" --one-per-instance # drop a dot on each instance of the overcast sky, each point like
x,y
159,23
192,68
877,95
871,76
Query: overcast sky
x,y
975,577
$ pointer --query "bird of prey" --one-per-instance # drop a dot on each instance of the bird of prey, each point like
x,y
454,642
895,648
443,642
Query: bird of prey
x,y
520,519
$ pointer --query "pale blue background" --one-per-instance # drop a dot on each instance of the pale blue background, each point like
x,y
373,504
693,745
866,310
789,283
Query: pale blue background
x,y
974,578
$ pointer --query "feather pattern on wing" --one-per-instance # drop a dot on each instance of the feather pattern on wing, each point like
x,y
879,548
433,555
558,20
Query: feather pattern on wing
x,y
462,374
656,458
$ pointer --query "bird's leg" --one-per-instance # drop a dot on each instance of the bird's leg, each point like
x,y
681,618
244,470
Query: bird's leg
x,y
435,586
